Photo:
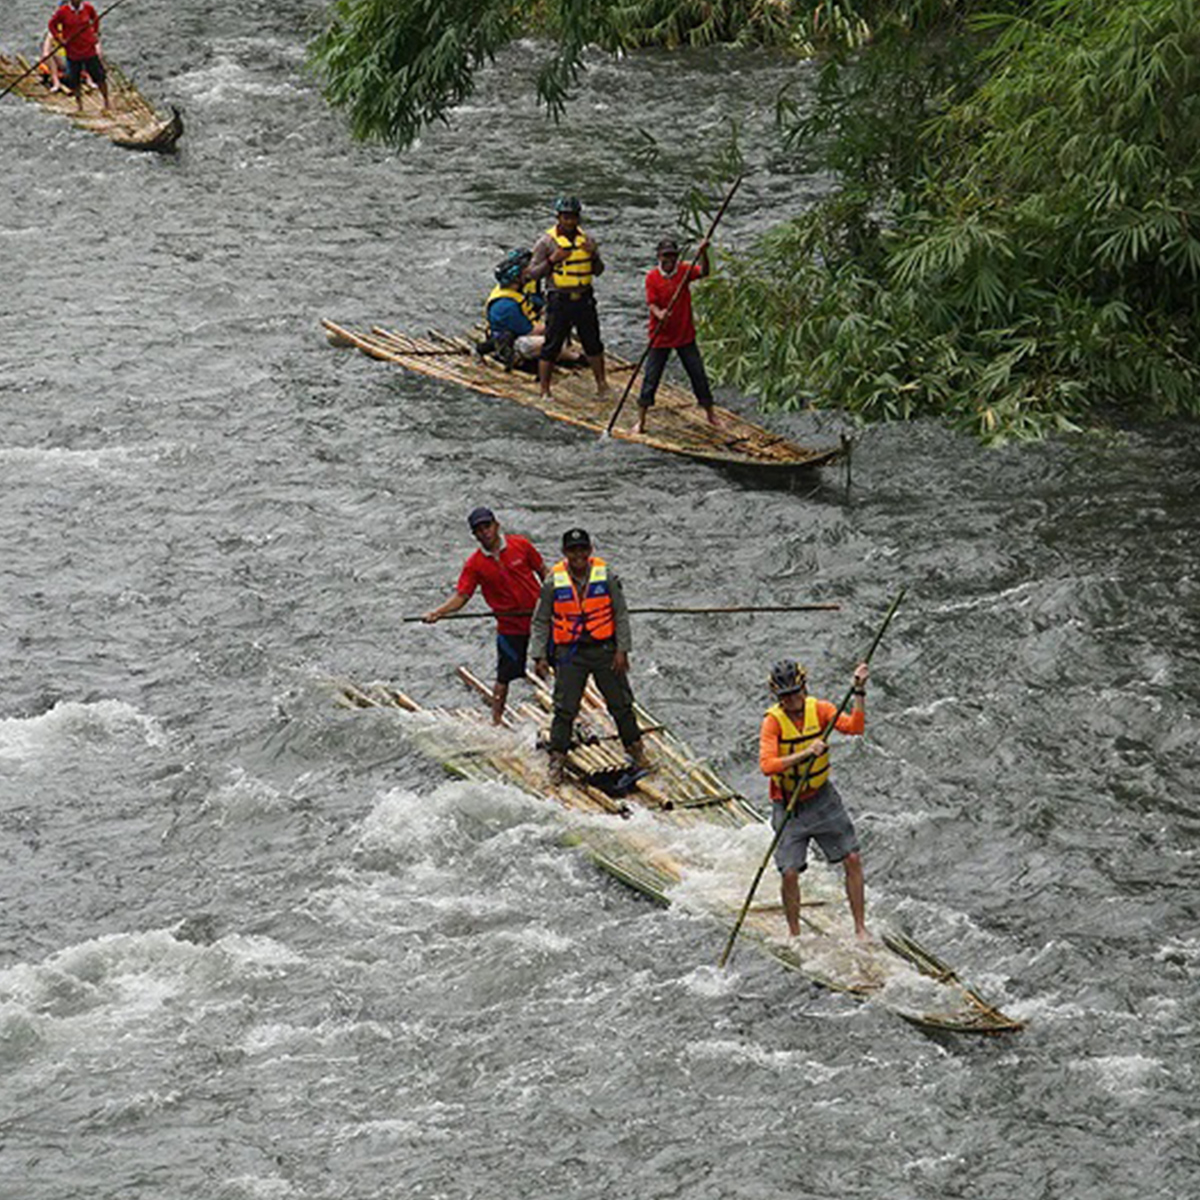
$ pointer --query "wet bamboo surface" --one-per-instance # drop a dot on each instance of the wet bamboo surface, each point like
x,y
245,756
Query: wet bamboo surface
x,y
132,121
652,840
676,423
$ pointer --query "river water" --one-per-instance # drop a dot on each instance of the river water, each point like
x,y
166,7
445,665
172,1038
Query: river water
x,y
254,945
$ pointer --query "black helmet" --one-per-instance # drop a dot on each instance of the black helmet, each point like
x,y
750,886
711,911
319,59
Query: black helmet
x,y
787,676
509,268
568,204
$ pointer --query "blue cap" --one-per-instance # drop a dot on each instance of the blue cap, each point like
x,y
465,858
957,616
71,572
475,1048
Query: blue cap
x,y
480,516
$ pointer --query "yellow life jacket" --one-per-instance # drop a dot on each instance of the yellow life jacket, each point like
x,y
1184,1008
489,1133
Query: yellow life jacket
x,y
791,741
60,59
575,271
524,298
592,613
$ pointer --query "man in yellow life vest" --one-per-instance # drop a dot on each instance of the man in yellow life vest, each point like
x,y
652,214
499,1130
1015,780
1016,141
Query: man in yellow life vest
x,y
793,753
582,607
569,259
53,64
513,313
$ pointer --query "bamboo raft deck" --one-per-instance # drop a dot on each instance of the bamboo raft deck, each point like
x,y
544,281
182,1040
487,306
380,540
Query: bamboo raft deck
x,y
676,422
683,835
133,122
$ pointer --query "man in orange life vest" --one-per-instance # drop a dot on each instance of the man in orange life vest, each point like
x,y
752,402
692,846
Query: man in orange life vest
x,y
582,606
793,753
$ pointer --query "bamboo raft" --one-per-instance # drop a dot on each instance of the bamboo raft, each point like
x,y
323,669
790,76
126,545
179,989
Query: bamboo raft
x,y
676,422
133,122
683,835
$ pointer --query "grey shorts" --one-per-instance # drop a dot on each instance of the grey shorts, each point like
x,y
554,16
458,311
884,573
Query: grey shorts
x,y
824,818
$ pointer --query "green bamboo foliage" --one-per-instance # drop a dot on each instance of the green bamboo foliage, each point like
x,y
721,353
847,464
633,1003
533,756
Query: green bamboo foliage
x,y
395,66
1026,263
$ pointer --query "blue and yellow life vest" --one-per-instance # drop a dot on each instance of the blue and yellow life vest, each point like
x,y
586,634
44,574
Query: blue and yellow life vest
x,y
792,740
592,613
575,271
526,297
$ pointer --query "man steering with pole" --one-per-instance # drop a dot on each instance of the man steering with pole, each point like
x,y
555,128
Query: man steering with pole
x,y
793,751
782,812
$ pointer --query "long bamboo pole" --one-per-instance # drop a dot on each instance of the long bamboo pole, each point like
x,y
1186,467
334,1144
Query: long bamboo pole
x,y
679,287
59,46
801,782
726,608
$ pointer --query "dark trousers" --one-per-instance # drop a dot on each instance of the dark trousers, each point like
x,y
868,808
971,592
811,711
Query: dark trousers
x,y
567,311
572,667
693,364
94,66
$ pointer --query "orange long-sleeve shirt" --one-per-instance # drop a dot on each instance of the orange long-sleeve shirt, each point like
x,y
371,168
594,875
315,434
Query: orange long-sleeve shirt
x,y
770,761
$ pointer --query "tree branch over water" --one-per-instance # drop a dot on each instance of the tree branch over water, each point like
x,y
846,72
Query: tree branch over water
x,y
395,66
1014,245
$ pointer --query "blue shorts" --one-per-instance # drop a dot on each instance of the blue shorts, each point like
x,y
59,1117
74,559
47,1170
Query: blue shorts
x,y
512,650
823,818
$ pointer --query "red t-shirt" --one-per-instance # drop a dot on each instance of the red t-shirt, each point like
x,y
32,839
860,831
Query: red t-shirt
x,y
678,329
509,581
77,28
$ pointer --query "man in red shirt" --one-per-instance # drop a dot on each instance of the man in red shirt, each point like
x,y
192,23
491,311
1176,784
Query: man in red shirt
x,y
672,328
510,571
76,27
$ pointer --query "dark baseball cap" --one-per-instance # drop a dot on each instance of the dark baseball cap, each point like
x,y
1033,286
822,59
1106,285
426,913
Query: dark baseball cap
x,y
576,537
480,516
667,246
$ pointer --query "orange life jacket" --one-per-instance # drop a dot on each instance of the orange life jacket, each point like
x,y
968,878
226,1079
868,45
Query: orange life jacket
x,y
592,613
